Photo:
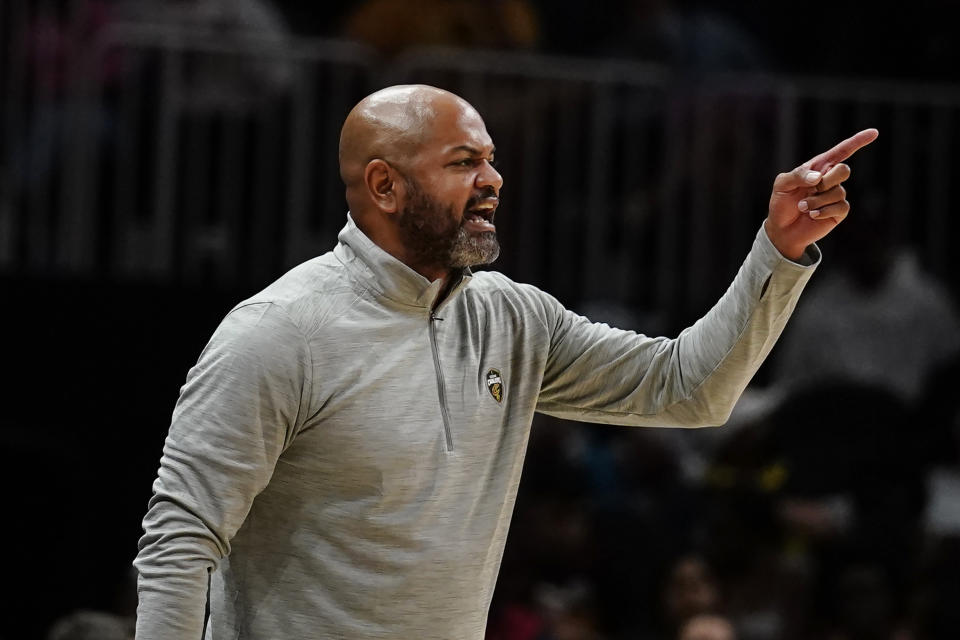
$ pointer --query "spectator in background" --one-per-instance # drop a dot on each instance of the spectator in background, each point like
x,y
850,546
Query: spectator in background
x,y
691,590
707,627
496,24
91,625
688,588
568,611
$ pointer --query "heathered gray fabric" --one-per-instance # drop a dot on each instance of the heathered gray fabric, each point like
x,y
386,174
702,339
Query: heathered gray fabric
x,y
307,469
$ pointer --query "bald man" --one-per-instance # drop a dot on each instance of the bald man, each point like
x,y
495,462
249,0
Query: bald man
x,y
344,457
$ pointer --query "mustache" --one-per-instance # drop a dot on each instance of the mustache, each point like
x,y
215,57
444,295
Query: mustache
x,y
486,192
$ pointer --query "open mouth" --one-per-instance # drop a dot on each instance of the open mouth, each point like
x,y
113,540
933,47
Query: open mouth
x,y
482,213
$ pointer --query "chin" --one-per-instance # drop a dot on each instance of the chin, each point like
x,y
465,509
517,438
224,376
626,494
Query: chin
x,y
473,251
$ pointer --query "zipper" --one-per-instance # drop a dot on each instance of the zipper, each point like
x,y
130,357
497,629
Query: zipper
x,y
441,390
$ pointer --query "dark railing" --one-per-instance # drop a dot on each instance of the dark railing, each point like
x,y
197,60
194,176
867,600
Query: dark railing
x,y
196,160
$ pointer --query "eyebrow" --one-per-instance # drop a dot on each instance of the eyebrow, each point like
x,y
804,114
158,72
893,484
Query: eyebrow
x,y
473,151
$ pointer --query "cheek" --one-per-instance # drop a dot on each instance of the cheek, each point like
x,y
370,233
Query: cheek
x,y
455,188
451,192
455,201
458,195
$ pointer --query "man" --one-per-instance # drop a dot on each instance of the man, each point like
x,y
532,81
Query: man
x,y
344,457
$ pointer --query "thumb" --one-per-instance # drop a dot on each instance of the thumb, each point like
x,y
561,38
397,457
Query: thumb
x,y
802,176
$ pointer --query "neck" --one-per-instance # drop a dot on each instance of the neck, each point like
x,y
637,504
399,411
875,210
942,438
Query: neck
x,y
448,283
446,276
387,238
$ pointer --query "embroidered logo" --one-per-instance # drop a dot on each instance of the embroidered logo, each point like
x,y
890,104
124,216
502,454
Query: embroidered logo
x,y
495,384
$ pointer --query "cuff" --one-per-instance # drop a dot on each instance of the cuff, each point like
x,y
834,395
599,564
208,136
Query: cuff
x,y
809,259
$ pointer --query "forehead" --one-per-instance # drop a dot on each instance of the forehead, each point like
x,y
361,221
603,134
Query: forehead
x,y
457,124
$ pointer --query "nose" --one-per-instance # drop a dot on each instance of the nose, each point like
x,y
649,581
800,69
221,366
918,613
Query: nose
x,y
489,177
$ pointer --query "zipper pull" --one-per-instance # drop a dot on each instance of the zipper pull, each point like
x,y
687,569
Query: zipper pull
x,y
434,316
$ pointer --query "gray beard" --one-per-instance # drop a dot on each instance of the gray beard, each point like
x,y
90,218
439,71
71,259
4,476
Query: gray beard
x,y
432,235
472,250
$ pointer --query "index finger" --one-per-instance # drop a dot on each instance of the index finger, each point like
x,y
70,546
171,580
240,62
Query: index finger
x,y
843,150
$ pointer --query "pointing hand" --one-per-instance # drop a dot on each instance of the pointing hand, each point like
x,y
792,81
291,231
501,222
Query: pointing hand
x,y
808,202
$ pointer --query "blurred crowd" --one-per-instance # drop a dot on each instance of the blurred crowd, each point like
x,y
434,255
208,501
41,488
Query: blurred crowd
x,y
689,34
829,507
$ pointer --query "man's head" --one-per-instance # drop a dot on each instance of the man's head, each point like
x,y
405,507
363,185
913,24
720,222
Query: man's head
x,y
417,165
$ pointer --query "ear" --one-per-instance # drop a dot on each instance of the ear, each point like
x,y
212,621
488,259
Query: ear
x,y
382,185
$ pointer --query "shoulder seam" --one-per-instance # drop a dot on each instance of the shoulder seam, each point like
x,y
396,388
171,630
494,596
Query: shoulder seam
x,y
306,343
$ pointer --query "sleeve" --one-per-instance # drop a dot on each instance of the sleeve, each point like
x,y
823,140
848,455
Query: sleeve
x,y
598,374
242,404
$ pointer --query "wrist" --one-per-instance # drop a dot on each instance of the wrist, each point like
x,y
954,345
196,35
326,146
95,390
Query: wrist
x,y
790,250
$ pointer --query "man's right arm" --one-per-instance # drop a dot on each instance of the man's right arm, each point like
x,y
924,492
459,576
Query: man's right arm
x,y
240,408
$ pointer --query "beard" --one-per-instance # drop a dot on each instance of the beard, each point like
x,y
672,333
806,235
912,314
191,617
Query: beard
x,y
433,234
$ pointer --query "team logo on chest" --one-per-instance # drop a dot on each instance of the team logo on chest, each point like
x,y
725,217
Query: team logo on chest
x,y
495,384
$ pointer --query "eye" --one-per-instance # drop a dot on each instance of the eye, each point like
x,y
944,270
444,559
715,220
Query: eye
x,y
472,162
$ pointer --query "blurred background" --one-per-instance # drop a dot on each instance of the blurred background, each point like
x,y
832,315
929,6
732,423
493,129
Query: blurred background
x,y
161,160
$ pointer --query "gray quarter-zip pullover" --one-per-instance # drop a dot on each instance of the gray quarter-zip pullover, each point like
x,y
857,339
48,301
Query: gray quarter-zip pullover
x,y
343,462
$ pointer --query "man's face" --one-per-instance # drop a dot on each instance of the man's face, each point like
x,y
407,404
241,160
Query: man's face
x,y
452,192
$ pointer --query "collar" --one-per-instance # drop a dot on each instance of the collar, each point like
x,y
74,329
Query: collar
x,y
387,275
